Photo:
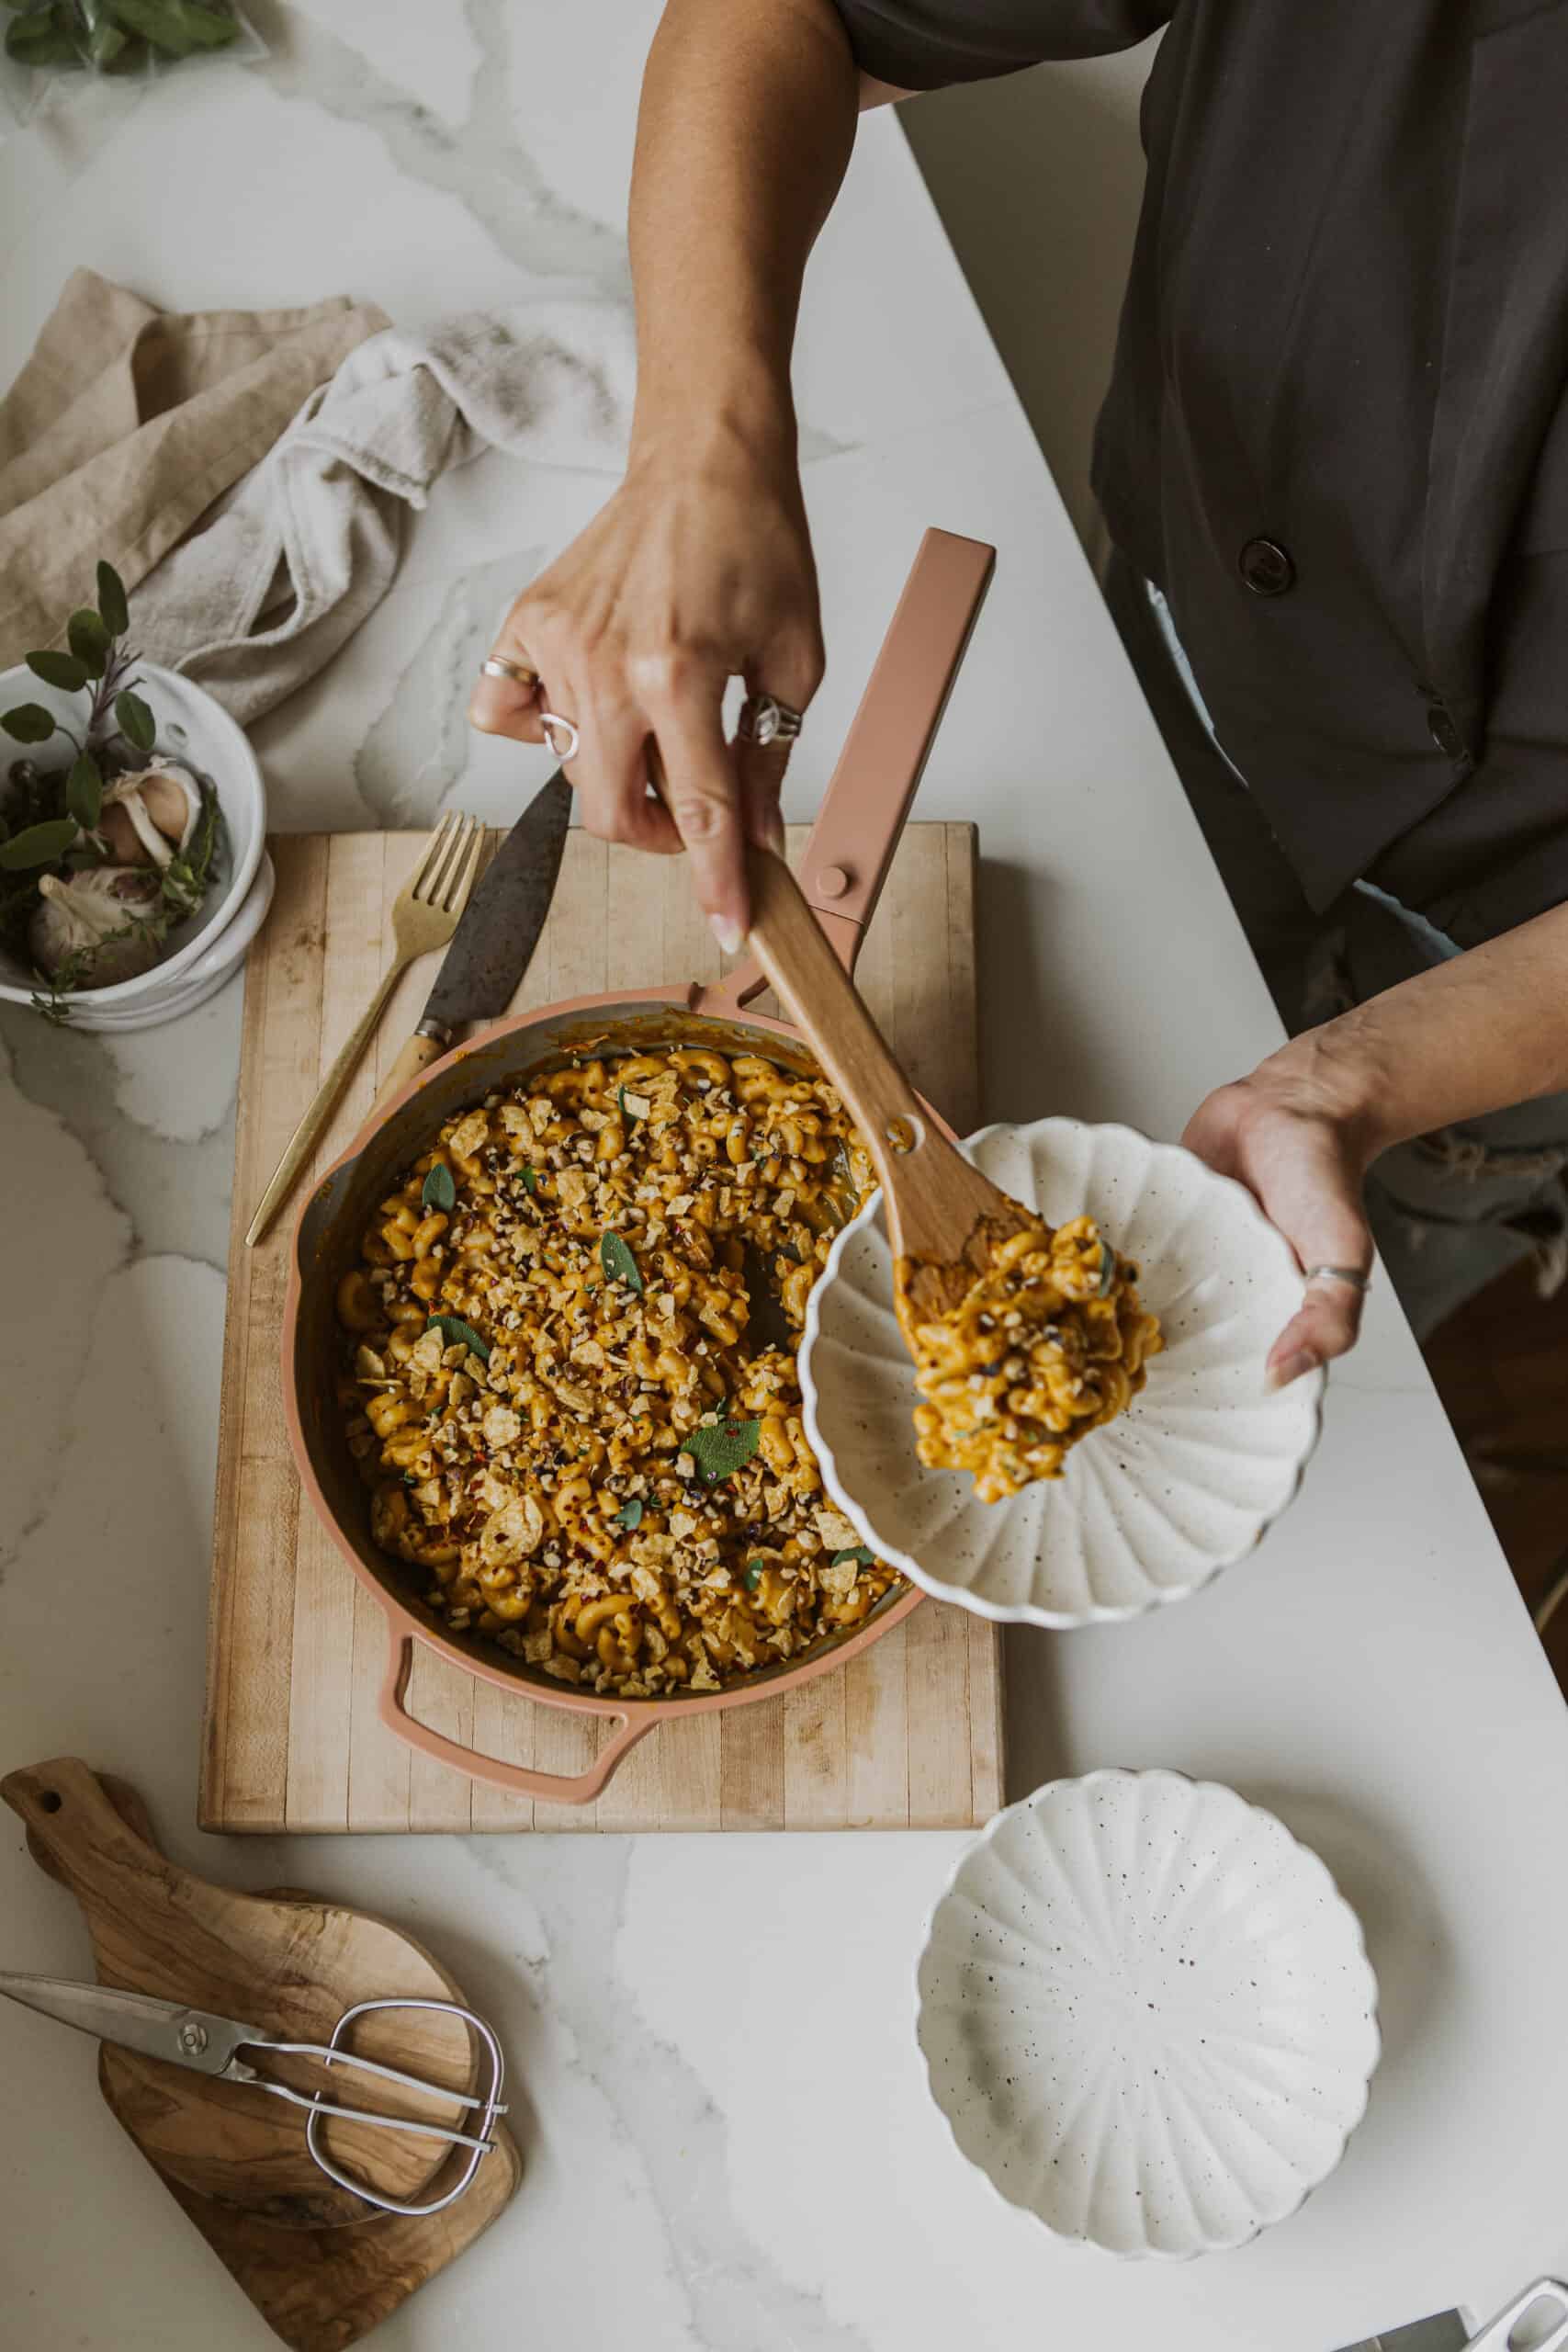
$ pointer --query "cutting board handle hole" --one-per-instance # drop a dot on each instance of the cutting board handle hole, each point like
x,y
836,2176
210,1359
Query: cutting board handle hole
x,y
49,1801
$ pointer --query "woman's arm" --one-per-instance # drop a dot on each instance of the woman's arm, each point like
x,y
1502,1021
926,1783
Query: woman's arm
x,y
700,567
1486,1030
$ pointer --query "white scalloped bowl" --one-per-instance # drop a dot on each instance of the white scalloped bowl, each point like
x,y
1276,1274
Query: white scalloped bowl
x,y
1147,2013
1149,1508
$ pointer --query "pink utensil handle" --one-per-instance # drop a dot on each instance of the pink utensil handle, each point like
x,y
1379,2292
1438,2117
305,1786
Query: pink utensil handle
x,y
517,1780
852,843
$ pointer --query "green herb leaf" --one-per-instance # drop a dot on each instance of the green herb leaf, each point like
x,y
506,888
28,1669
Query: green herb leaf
x,y
105,43
632,1106
630,1513
38,845
29,723
530,1178
619,1264
178,28
62,669
186,877
854,1552
456,1332
85,791
1107,1270
90,641
718,1449
753,1576
36,39
134,720
113,605
439,1190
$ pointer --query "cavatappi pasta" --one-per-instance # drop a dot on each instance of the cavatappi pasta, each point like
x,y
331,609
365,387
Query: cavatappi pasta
x,y
1049,1344
565,1485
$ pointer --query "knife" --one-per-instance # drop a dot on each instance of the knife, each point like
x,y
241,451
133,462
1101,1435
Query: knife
x,y
493,945
1447,2332
487,956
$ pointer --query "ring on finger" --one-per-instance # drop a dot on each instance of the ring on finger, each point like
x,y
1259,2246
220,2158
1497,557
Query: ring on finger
x,y
1351,1275
765,719
561,734
516,672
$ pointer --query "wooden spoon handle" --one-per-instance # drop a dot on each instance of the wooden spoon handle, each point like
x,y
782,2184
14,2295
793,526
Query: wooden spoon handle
x,y
795,952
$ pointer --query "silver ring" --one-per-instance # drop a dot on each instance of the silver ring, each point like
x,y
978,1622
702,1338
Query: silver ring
x,y
765,719
498,666
550,720
1351,1275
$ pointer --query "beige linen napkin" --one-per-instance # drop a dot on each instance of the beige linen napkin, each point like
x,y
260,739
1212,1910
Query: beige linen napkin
x,y
128,422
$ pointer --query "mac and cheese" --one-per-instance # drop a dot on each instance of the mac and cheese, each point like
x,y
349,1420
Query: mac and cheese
x,y
1049,1344
556,1390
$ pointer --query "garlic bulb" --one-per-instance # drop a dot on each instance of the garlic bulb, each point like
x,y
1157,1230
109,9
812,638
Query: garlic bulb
x,y
91,914
147,818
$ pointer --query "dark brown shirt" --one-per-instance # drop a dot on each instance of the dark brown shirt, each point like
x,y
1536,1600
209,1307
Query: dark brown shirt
x,y
1337,434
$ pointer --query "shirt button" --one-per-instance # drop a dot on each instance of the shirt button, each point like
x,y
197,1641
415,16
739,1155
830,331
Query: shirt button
x,y
1444,733
1266,567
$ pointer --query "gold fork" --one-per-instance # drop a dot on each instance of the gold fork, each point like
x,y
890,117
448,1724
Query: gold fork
x,y
424,915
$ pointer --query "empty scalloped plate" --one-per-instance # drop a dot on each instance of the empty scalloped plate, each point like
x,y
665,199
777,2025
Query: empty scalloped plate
x,y
1148,1508
1147,2013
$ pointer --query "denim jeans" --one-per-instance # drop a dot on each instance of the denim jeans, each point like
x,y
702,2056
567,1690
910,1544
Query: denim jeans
x,y
1451,1210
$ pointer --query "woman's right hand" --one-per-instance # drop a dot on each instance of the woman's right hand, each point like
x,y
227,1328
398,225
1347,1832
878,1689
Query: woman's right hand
x,y
698,569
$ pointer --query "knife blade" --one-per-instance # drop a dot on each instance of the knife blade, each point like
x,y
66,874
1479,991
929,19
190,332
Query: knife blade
x,y
492,946
1446,2332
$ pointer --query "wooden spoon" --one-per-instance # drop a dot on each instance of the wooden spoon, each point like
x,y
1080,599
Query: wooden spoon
x,y
944,1218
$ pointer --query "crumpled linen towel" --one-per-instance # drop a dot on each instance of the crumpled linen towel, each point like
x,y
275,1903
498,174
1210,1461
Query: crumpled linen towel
x,y
128,423
303,552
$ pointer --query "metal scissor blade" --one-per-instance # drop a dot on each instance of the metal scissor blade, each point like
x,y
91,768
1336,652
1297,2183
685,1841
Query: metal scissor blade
x,y
186,2037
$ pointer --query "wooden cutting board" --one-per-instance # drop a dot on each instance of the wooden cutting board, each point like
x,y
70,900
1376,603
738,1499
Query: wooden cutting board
x,y
907,1735
321,2265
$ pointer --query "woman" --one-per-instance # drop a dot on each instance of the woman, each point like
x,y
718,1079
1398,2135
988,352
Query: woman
x,y
1333,462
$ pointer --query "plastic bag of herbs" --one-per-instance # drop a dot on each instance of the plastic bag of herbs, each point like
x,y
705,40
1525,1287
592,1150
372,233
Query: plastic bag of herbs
x,y
49,40
108,842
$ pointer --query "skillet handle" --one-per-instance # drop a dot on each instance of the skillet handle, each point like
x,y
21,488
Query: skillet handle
x,y
517,1780
851,844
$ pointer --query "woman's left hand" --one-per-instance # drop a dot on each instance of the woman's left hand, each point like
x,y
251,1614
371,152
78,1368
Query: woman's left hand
x,y
1294,1137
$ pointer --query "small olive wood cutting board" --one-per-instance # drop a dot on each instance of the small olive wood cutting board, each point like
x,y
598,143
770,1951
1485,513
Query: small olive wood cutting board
x,y
907,1735
321,2265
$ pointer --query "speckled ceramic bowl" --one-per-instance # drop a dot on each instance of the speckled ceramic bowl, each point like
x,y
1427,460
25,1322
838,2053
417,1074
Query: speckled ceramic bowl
x,y
1147,2013
1151,1507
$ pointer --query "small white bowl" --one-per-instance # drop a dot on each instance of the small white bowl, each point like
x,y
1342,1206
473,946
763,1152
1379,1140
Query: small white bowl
x,y
193,728
1158,1501
1147,2013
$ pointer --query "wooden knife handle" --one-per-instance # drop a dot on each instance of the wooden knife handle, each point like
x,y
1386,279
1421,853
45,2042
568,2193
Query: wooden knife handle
x,y
417,1055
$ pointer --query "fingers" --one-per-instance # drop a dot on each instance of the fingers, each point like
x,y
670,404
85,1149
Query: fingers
x,y
1330,1316
610,777
509,705
791,671
702,790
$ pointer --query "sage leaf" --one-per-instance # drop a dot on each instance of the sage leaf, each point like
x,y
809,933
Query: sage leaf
x,y
853,1552
38,845
439,1190
35,39
90,641
457,1333
178,28
62,669
619,1264
29,723
753,1576
134,720
632,1106
630,1513
719,1448
113,605
85,791
530,1180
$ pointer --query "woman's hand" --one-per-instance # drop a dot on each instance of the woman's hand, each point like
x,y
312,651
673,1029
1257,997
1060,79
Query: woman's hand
x,y
1296,1136
698,569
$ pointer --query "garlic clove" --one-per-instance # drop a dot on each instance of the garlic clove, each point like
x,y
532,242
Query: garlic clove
x,y
147,819
109,916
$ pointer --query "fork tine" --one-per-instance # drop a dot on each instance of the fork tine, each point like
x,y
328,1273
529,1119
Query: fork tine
x,y
435,892
462,882
434,856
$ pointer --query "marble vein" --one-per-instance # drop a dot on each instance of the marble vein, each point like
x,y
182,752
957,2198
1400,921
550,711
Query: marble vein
x,y
738,2296
416,752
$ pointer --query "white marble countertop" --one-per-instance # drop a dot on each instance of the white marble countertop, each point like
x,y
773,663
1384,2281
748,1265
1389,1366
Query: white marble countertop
x,y
729,2147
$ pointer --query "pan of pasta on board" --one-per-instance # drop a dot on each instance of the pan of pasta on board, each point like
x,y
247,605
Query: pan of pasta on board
x,y
539,1344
